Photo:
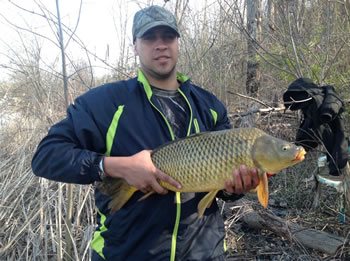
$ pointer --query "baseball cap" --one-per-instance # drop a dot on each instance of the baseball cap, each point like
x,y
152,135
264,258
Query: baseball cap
x,y
150,17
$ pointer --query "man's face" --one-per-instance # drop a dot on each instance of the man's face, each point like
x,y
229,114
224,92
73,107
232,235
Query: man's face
x,y
158,52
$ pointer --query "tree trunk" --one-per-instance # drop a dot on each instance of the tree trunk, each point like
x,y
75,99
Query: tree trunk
x,y
69,187
254,30
270,19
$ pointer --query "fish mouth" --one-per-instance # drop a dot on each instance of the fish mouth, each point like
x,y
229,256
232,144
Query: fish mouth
x,y
301,155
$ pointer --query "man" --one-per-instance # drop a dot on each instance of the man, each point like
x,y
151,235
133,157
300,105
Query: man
x,y
110,130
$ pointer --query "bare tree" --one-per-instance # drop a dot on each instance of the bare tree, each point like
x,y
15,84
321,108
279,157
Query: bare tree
x,y
254,31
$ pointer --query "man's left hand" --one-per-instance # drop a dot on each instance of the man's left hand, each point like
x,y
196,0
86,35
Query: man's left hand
x,y
243,181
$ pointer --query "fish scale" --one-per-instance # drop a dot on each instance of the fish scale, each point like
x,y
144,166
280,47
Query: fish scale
x,y
205,159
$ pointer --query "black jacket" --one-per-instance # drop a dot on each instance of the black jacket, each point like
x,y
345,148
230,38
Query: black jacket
x,y
121,119
323,123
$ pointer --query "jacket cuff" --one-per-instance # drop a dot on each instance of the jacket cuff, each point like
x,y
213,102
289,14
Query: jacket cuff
x,y
95,167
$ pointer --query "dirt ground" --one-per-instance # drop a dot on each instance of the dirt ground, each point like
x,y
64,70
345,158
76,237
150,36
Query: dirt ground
x,y
247,243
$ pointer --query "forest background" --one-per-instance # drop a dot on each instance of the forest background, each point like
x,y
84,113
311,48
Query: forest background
x,y
246,52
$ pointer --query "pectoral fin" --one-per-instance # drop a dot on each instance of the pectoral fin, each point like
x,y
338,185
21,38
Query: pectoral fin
x,y
263,190
206,202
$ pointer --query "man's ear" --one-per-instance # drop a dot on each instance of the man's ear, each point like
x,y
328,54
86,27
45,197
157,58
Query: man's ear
x,y
135,49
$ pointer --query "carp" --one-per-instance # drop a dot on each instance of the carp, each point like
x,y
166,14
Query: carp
x,y
203,162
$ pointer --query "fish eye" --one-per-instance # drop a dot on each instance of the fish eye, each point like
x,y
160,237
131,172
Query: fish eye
x,y
285,147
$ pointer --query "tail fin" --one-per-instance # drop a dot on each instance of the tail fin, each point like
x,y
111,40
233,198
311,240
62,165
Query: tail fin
x,y
118,190
263,190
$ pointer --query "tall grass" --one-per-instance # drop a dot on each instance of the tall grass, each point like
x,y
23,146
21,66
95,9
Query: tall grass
x,y
31,227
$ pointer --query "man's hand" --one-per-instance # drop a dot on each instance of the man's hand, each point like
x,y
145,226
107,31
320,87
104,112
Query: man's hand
x,y
139,171
242,180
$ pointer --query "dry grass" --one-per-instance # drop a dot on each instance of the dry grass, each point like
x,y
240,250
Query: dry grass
x,y
30,225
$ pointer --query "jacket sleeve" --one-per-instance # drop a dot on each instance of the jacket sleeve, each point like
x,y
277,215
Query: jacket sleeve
x,y
221,122
72,149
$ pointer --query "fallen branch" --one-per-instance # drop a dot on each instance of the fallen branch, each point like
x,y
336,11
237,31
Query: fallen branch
x,y
261,110
306,237
250,98
346,174
266,105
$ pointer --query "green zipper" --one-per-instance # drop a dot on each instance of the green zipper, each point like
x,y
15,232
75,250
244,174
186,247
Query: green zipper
x,y
148,90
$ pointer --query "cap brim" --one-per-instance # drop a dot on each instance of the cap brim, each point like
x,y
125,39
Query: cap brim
x,y
152,25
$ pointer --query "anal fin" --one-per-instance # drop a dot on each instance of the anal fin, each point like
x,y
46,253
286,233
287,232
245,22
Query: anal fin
x,y
206,202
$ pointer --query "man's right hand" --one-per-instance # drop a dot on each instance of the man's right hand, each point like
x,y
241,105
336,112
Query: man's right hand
x,y
139,171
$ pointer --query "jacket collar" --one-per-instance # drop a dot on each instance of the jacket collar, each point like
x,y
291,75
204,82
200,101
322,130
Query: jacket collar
x,y
142,78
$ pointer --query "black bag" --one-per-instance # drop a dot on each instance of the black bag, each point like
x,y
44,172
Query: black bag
x,y
323,124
